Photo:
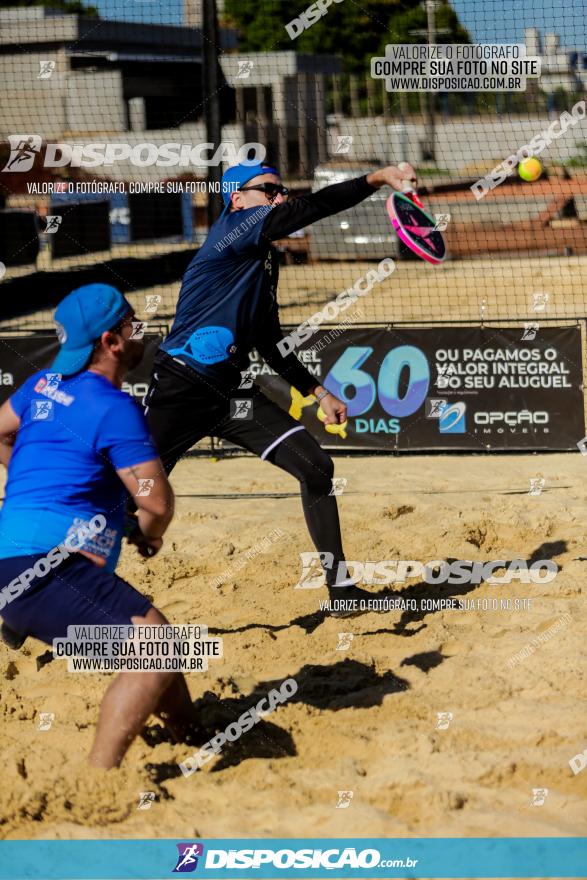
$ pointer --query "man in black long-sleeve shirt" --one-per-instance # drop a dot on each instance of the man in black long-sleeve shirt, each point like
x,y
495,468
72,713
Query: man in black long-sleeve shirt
x,y
227,306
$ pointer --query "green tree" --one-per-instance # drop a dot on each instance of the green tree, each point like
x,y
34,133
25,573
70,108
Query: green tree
x,y
355,31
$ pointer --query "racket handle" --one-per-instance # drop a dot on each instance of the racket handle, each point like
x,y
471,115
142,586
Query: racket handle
x,y
409,191
333,429
408,183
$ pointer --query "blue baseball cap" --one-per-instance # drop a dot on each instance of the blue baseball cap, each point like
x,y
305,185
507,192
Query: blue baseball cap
x,y
80,319
235,177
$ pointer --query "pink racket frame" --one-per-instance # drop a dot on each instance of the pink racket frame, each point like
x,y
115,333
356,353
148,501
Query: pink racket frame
x,y
403,236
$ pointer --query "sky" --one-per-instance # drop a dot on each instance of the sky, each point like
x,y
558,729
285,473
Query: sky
x,y
501,21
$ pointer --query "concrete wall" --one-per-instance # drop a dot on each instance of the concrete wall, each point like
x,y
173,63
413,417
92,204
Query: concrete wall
x,y
31,105
459,144
266,68
94,102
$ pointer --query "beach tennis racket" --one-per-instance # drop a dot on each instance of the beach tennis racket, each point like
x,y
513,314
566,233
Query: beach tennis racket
x,y
414,227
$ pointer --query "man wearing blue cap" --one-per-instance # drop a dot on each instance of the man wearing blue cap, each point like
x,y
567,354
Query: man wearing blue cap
x,y
227,306
74,445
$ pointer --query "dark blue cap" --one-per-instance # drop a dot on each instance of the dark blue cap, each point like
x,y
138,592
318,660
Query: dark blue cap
x,y
81,318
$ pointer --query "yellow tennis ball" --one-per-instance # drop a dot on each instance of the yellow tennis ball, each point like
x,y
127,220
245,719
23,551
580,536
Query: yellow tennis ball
x,y
530,169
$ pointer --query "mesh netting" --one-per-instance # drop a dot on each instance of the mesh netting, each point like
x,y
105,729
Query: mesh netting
x,y
105,125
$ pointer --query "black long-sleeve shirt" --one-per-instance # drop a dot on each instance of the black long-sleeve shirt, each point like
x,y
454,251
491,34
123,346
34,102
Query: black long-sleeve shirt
x,y
303,210
228,300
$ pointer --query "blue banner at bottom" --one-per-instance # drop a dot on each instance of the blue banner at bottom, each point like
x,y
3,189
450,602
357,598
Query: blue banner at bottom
x,y
294,857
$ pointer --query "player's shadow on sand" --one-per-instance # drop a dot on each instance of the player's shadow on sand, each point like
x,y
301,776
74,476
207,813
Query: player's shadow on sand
x,y
343,685
425,661
423,590
548,551
307,622
265,740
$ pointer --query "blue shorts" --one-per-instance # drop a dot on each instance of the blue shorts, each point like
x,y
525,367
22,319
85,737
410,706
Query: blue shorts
x,y
76,592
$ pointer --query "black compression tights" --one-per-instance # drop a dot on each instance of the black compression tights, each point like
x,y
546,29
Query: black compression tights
x,y
302,457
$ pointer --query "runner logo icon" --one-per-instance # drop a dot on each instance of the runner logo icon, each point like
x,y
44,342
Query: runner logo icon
x,y
188,855
23,149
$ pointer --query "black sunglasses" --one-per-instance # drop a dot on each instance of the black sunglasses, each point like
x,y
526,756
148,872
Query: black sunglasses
x,y
270,189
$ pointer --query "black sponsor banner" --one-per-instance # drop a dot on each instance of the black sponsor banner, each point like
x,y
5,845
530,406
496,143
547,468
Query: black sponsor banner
x,y
444,388
21,356
407,389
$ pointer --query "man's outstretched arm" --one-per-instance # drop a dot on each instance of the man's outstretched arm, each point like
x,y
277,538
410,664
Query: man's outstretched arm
x,y
304,210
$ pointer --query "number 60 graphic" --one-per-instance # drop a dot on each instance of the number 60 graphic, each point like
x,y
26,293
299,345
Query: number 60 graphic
x,y
347,373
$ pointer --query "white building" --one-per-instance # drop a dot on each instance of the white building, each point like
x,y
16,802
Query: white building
x,y
561,68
